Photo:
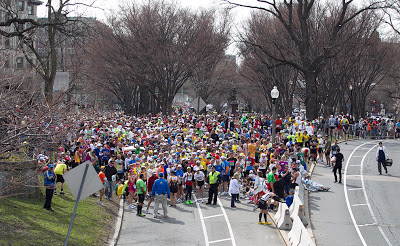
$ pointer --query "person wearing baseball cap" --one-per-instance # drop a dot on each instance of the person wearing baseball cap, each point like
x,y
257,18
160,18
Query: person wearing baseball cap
x,y
49,183
160,192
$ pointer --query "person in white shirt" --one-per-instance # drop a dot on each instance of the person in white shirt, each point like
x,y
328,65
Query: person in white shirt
x,y
199,179
234,189
381,156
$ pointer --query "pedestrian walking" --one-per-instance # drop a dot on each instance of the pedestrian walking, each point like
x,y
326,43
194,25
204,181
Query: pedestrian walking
x,y
160,192
381,156
49,183
338,160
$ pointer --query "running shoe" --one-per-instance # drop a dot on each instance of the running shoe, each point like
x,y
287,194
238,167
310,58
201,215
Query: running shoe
x,y
260,223
202,200
62,193
101,203
187,202
132,206
147,212
140,215
267,223
55,192
190,202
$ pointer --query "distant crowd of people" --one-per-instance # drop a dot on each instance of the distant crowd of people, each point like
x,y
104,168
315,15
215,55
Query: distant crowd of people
x,y
180,157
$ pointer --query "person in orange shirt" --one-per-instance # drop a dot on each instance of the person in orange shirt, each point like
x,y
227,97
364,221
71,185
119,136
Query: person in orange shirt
x,y
102,177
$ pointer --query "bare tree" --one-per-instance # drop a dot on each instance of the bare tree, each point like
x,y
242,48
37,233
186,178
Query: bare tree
x,y
297,19
23,27
165,44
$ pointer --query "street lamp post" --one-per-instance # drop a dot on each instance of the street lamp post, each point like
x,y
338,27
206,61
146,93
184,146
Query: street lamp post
x,y
274,96
351,100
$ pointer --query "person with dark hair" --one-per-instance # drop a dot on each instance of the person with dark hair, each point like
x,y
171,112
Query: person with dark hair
x,y
141,191
338,160
49,183
381,156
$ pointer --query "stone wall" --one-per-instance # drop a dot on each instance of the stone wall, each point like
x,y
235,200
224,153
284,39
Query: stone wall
x,y
23,177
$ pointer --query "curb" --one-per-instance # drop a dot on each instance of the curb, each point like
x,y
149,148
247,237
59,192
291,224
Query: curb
x,y
118,225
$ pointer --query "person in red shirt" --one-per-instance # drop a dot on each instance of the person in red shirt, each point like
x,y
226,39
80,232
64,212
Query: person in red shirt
x,y
102,177
150,183
278,123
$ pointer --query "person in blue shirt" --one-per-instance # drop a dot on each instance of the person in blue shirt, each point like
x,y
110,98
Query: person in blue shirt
x,y
179,172
289,198
49,183
160,192
225,175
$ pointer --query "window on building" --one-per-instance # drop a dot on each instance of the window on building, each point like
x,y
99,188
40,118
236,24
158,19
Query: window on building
x,y
21,5
20,62
6,41
7,64
20,27
30,10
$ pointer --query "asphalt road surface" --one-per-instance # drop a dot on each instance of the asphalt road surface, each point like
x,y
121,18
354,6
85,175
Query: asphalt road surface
x,y
364,209
199,224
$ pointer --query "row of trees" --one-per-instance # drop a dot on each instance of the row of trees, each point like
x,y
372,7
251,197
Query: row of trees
x,y
314,51
144,54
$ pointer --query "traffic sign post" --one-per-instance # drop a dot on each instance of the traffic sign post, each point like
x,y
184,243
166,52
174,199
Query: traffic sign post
x,y
78,189
198,104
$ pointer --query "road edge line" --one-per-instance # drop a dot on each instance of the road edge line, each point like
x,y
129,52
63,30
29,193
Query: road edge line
x,y
227,222
203,225
118,225
366,196
347,197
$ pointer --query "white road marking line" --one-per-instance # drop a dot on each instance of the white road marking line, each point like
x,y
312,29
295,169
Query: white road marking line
x,y
355,189
372,224
227,222
213,216
355,165
221,240
360,204
203,225
347,197
366,197
358,156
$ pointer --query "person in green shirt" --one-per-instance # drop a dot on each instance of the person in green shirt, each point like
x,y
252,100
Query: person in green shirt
x,y
271,179
141,191
300,157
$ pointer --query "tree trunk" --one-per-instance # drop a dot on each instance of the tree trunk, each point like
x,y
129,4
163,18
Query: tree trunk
x,y
311,95
52,63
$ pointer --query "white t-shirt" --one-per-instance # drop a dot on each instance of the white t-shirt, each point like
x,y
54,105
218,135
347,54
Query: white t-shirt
x,y
199,176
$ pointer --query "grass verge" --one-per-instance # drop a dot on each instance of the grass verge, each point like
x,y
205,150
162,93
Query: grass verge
x,y
26,222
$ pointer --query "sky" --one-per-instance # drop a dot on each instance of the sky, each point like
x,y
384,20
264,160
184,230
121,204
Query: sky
x,y
104,8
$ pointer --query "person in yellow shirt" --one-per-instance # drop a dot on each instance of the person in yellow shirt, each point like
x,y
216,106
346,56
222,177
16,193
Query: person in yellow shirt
x,y
60,170
299,138
306,139
252,149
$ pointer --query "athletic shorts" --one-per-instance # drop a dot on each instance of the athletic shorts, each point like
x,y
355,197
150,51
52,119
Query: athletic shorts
x,y
320,150
327,153
225,178
300,144
313,151
173,189
141,198
60,179
200,183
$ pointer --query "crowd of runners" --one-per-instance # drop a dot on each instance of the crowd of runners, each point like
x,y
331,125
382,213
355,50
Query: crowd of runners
x,y
154,158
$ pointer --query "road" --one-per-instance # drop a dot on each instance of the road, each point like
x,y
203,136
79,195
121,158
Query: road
x,y
199,224
364,209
